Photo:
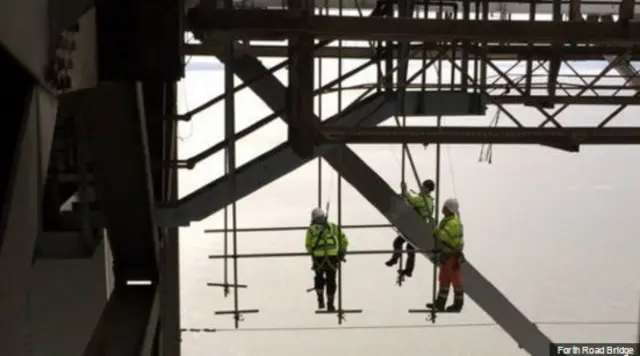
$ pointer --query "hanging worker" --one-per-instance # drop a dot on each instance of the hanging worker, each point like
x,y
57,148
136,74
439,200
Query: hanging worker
x,y
327,246
449,234
422,203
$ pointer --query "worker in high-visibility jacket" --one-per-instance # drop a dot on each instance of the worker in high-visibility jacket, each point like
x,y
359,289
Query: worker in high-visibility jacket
x,y
422,203
450,237
327,246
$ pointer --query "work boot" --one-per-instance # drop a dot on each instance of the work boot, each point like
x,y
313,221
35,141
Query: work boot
x,y
440,302
406,273
330,306
458,302
320,300
391,262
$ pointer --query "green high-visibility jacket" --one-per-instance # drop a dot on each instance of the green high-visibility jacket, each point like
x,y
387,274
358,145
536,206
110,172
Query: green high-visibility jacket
x,y
450,233
325,240
422,203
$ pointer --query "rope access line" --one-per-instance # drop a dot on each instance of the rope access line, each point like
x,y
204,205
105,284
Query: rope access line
x,y
230,136
406,153
230,166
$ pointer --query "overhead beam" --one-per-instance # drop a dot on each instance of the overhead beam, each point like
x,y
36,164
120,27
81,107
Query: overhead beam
x,y
511,6
277,23
493,52
566,99
114,118
374,189
483,134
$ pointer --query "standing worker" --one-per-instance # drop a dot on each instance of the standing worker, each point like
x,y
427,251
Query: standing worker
x,y
327,246
422,203
449,234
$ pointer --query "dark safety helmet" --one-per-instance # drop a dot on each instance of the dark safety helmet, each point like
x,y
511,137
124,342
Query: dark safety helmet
x,y
429,185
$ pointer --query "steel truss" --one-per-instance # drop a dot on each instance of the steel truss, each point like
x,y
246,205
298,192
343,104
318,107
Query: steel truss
x,y
449,38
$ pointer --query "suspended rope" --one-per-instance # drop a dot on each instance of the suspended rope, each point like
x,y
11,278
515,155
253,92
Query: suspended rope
x,y
436,257
406,153
486,149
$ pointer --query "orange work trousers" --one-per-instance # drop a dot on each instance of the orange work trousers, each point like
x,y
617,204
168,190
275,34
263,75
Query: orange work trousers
x,y
450,273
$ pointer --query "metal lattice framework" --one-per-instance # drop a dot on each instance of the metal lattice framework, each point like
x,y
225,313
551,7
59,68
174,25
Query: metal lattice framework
x,y
467,40
115,97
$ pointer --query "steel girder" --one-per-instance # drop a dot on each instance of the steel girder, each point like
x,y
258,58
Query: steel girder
x,y
496,52
278,23
378,193
30,123
509,6
113,115
417,232
473,135
128,324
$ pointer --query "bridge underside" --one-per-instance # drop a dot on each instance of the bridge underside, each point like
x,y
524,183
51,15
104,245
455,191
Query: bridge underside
x,y
90,164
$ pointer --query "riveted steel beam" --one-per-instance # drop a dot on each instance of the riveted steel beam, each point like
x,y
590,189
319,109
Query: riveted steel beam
x,y
482,134
494,52
279,23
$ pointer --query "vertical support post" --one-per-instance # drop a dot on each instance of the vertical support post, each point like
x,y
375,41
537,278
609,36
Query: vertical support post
x,y
554,61
575,12
229,111
340,309
299,109
483,61
34,116
529,70
388,61
464,80
170,338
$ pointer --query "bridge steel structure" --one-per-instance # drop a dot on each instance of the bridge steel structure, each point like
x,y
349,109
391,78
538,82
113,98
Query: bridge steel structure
x,y
90,212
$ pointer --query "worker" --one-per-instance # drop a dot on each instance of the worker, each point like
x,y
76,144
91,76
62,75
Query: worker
x,y
422,203
449,234
327,246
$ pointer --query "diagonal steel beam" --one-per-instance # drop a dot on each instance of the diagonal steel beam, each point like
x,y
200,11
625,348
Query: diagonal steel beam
x,y
477,287
268,167
379,194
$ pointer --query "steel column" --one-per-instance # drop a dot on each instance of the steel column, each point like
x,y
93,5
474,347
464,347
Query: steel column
x,y
376,190
125,323
116,127
21,219
66,299
301,71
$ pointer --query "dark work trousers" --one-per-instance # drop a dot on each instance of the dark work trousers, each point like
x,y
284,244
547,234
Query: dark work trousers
x,y
411,255
325,269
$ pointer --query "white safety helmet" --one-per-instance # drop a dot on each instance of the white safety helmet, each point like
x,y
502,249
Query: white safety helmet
x,y
451,204
317,213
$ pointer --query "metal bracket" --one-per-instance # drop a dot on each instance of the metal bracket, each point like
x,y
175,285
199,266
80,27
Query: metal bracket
x,y
226,287
238,315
